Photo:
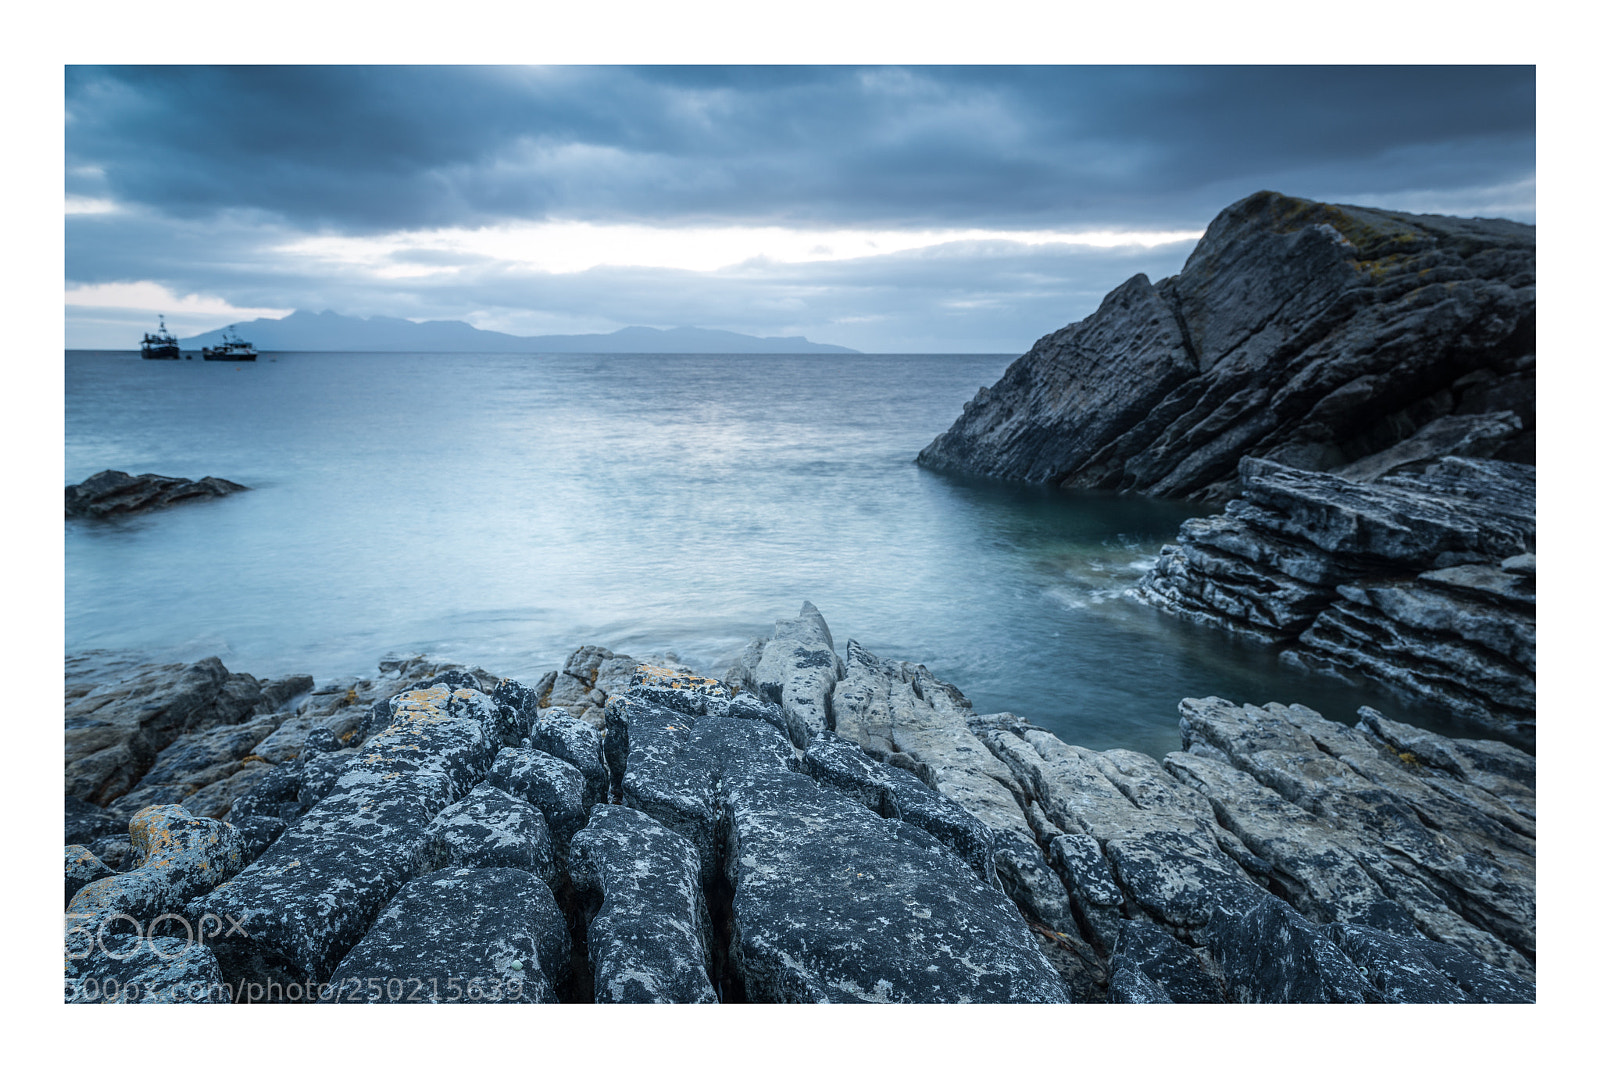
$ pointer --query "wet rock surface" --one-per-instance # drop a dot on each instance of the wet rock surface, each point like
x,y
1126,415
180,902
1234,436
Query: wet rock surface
x,y
1422,579
117,493
687,850
1314,335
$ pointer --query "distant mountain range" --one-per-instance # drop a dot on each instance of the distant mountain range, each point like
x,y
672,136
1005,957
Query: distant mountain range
x,y
330,332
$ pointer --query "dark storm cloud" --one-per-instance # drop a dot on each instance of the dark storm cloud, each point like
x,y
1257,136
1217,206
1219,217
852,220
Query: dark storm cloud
x,y
370,149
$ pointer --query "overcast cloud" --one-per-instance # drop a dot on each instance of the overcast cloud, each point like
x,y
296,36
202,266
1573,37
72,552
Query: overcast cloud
x,y
219,194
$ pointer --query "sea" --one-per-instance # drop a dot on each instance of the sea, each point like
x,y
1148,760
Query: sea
x,y
502,510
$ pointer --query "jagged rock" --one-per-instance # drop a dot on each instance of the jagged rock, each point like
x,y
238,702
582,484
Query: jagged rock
x,y
462,935
832,903
295,911
179,857
1270,954
1145,951
1269,853
1310,334
895,793
1412,971
1451,435
86,822
1091,886
145,971
795,669
116,493
1344,818
119,716
314,892
677,768
549,784
196,760
491,829
648,929
1399,578
82,868
570,739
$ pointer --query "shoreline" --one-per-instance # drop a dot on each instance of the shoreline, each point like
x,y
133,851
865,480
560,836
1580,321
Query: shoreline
x,y
1083,843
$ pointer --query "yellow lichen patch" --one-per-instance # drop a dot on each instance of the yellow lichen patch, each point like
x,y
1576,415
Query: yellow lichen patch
x,y
250,758
1409,758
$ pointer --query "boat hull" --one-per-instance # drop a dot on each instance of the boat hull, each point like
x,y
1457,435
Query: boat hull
x,y
230,357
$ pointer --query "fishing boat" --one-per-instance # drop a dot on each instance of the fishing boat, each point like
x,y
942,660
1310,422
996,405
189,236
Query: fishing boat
x,y
159,345
230,348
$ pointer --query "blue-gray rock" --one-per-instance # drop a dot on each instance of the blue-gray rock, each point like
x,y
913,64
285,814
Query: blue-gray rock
x,y
293,913
86,822
1148,951
491,829
893,792
579,744
1270,954
1416,971
82,868
464,935
648,928
1309,334
116,493
1398,579
832,903
549,784
128,970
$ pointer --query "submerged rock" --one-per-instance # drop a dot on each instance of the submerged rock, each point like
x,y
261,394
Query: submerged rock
x,y
114,493
1310,334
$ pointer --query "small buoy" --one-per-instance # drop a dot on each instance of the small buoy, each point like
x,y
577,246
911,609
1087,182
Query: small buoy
x,y
516,965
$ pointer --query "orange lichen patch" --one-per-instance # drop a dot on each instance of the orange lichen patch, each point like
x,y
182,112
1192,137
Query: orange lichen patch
x,y
650,675
249,758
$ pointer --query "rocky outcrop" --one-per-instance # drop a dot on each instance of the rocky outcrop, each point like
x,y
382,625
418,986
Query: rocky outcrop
x,y
456,852
1314,335
1424,580
1152,881
117,493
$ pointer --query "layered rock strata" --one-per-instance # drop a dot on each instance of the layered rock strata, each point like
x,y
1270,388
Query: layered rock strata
x,y
1309,334
1424,580
117,493
909,851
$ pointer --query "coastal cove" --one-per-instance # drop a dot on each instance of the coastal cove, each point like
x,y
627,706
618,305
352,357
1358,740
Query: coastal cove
x,y
505,509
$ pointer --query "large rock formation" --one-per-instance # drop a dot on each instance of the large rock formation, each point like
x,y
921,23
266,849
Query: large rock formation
x,y
471,845
1425,580
1310,334
116,493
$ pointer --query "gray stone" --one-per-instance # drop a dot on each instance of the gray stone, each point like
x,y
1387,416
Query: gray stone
x,y
1146,951
561,735
1270,954
835,904
549,784
464,935
1310,334
648,929
491,829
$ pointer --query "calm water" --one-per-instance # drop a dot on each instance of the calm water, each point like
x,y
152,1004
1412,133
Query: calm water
x,y
503,510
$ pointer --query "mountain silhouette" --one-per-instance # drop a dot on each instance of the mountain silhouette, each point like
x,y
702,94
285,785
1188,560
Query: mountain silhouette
x,y
328,331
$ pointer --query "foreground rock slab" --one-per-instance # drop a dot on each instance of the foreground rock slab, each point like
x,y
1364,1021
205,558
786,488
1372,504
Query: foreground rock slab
x,y
947,857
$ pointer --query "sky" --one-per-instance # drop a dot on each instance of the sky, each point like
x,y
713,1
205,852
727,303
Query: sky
x,y
889,209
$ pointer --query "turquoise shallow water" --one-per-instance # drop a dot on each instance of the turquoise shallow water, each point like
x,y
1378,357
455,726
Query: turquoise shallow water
x,y
505,509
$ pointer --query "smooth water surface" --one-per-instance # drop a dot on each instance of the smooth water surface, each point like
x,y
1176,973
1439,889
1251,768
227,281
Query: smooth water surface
x,y
503,510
